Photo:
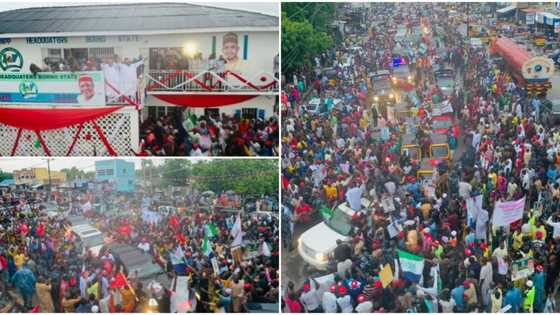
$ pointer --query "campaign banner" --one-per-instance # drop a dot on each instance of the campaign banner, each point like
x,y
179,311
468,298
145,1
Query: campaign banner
x,y
522,268
53,88
505,213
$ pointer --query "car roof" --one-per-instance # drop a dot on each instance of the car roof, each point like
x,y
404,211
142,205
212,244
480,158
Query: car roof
x,y
133,258
344,207
83,228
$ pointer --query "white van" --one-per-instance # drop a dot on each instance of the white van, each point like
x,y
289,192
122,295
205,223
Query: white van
x,y
92,239
318,243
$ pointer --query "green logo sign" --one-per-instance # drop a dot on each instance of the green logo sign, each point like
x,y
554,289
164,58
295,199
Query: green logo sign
x,y
11,59
28,89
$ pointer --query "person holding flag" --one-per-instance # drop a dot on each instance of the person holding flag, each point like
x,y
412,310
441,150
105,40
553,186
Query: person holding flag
x,y
236,246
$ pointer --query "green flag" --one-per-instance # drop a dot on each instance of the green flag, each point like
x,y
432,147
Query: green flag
x,y
326,212
212,230
206,249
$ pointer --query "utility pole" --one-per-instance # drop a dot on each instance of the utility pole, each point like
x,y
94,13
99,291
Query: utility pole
x,y
50,182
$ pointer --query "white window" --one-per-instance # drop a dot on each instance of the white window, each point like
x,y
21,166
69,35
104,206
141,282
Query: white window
x,y
101,52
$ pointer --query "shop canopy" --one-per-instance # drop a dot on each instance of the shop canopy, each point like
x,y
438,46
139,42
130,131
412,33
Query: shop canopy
x,y
506,10
44,119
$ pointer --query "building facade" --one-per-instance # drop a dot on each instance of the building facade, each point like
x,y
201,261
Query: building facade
x,y
118,172
131,31
35,176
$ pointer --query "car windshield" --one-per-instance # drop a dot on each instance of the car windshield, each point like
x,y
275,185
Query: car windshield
x,y
92,241
439,151
413,153
381,82
401,70
340,222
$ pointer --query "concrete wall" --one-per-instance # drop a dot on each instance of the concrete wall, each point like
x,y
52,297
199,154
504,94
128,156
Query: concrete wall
x,y
261,50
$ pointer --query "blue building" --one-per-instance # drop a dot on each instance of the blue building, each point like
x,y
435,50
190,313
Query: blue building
x,y
118,172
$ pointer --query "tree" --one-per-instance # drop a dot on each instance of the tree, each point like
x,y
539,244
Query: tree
x,y
5,175
174,172
319,14
301,42
242,176
74,173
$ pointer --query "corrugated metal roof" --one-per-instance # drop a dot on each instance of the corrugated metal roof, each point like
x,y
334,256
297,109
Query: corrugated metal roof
x,y
128,17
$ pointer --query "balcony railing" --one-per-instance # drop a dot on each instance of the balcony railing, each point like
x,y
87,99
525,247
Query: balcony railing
x,y
114,96
209,81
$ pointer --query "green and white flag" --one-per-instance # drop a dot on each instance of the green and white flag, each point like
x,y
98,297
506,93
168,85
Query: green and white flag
x,y
412,265
211,230
206,248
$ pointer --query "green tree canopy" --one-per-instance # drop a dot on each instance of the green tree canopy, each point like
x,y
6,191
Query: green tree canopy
x,y
5,175
305,28
174,172
245,176
74,173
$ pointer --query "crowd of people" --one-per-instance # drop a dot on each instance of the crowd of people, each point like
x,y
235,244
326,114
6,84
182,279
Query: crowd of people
x,y
231,260
467,258
184,134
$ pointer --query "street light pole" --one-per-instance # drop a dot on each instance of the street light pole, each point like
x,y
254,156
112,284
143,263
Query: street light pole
x,y
49,174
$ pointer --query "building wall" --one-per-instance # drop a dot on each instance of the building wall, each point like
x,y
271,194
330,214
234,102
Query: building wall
x,y
25,176
118,171
262,46
39,175
42,175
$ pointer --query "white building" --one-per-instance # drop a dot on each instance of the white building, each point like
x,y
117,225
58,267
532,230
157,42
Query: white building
x,y
162,33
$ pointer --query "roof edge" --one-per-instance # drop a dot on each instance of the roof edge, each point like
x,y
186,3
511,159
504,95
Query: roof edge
x,y
148,3
154,32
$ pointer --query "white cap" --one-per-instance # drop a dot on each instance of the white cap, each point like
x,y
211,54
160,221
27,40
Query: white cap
x,y
453,233
529,284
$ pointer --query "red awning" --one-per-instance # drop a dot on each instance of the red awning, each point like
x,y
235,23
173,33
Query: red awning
x,y
51,118
204,100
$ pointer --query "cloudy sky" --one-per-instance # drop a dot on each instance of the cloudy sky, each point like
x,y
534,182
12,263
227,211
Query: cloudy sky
x,y
86,164
270,8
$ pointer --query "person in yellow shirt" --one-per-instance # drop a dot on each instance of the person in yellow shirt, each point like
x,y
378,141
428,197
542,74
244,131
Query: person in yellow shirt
x,y
19,259
331,192
364,121
517,239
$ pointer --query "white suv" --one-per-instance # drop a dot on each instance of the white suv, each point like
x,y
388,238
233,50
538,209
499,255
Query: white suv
x,y
92,239
318,243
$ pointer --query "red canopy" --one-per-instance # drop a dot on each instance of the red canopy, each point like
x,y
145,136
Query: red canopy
x,y
49,118
204,100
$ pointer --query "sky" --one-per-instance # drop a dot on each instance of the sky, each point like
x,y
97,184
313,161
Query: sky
x,y
85,164
270,8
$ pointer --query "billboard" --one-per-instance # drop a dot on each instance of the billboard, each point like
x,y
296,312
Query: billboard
x,y
53,88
